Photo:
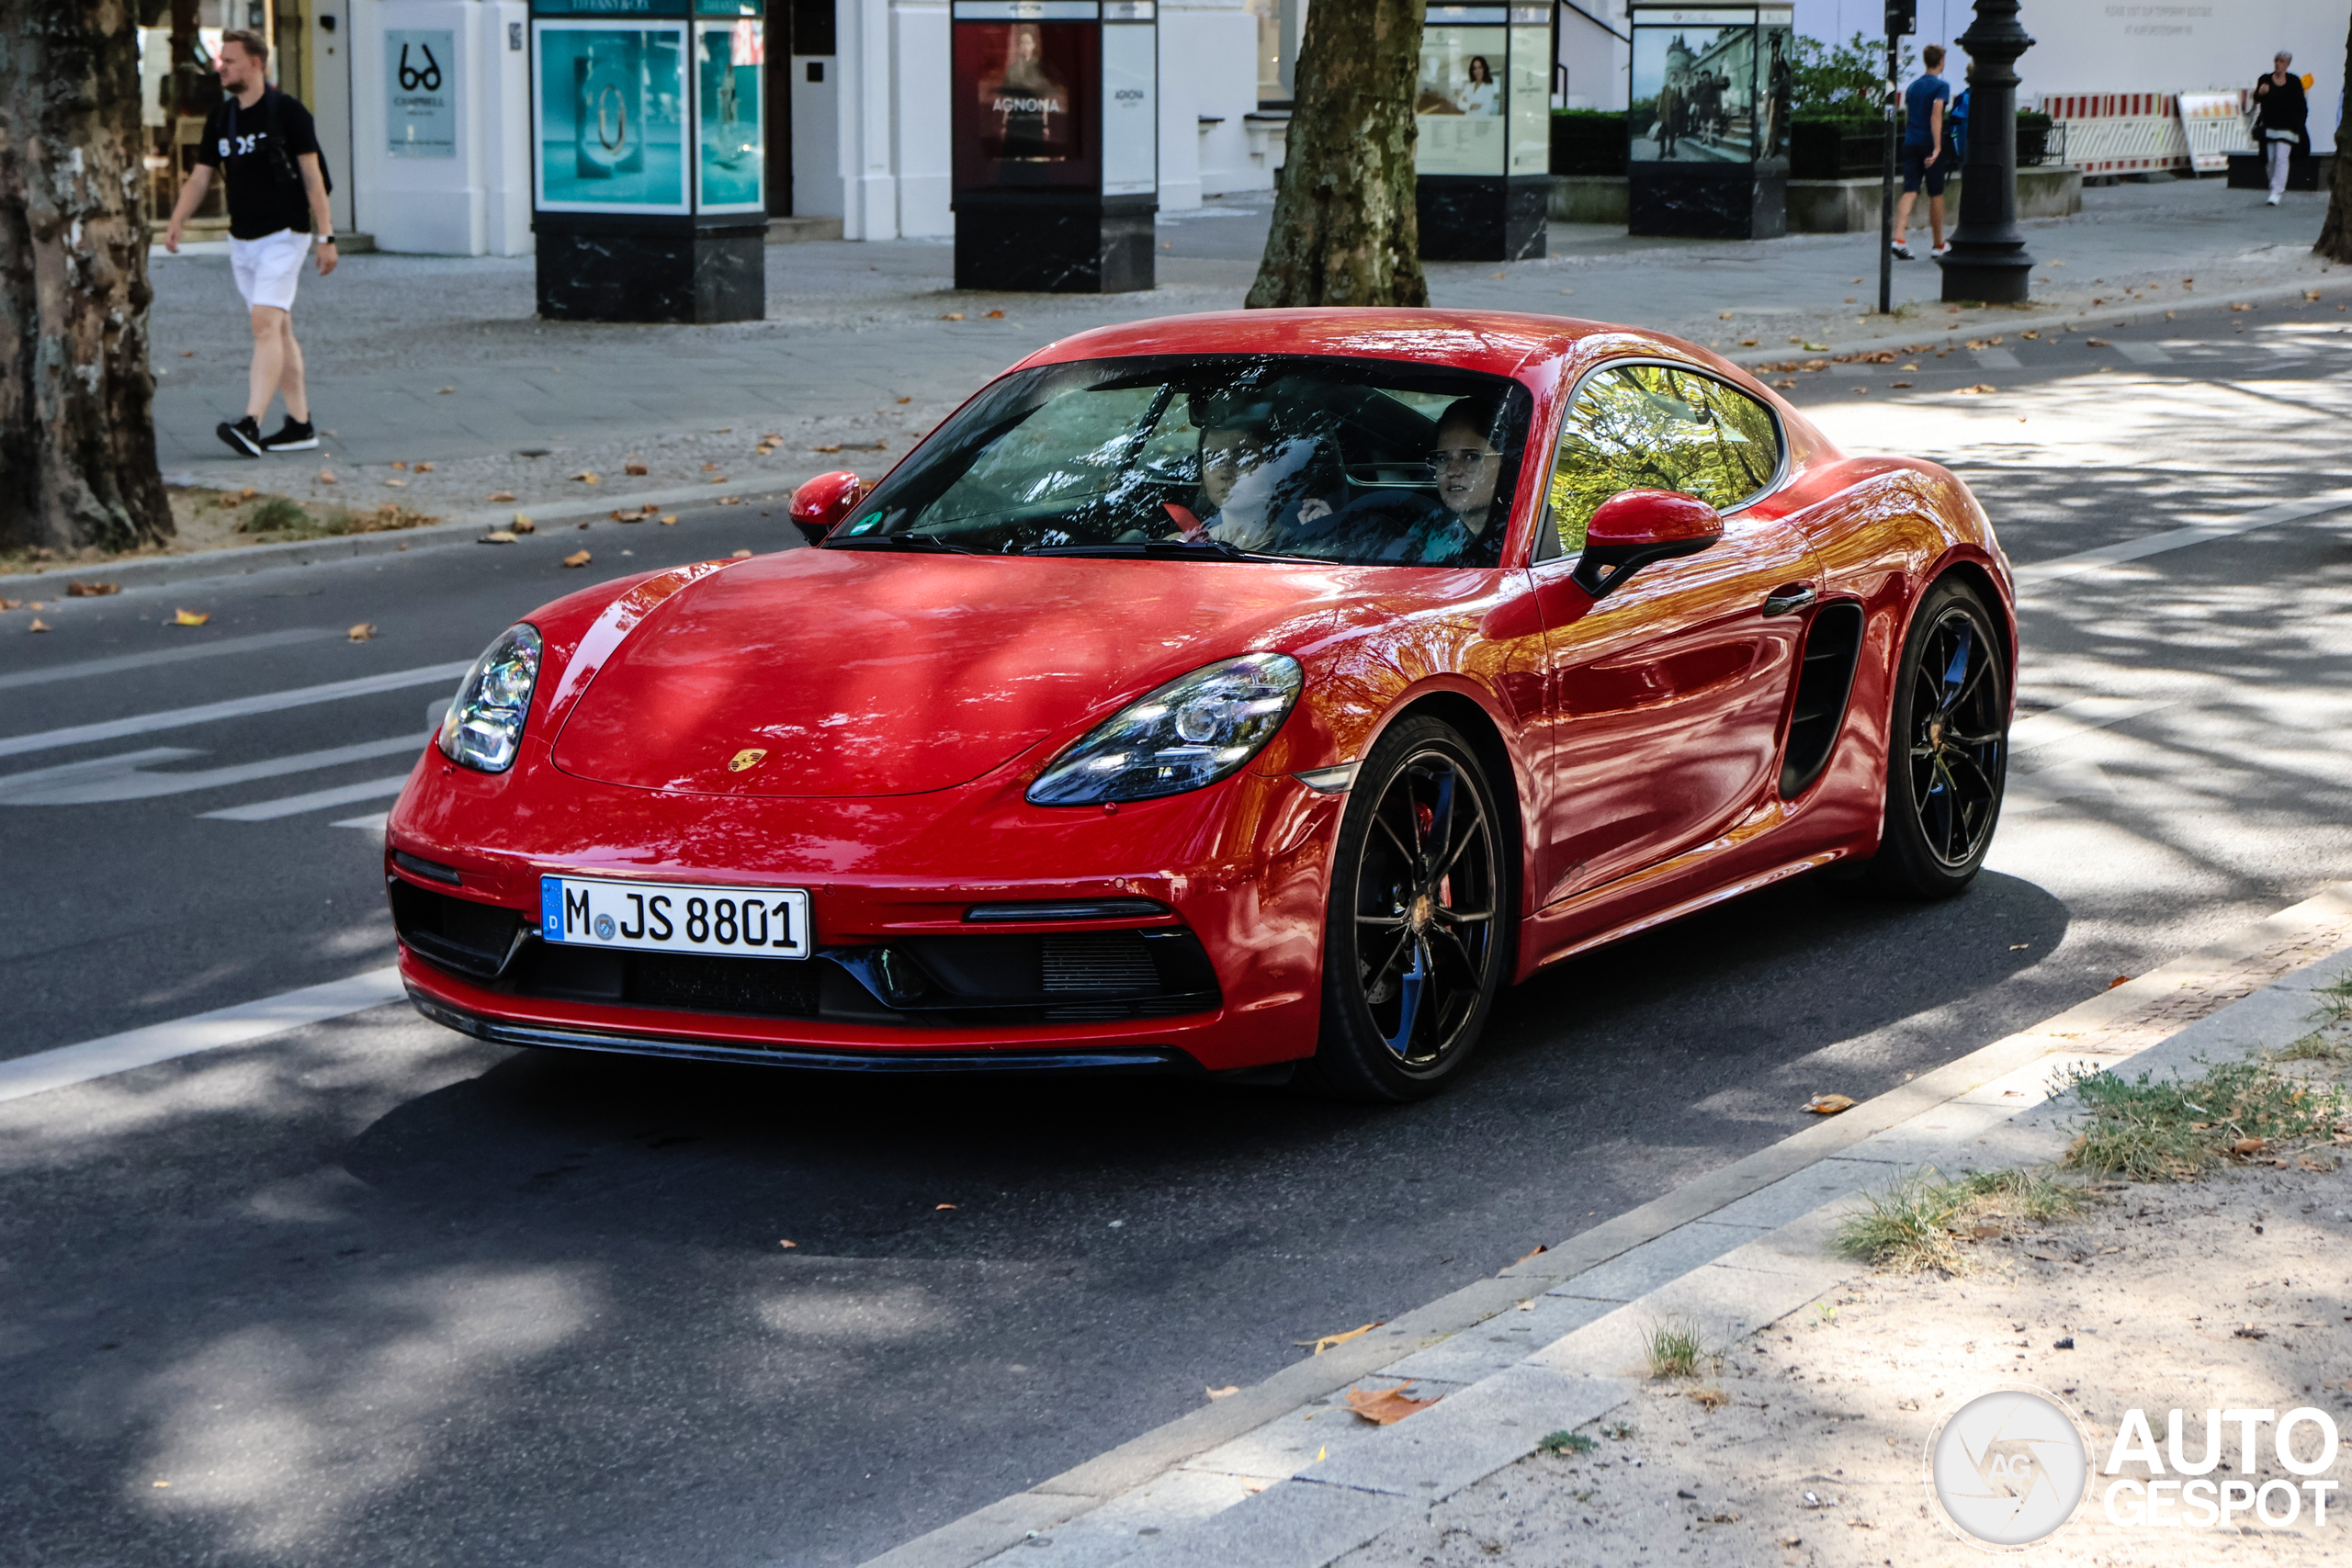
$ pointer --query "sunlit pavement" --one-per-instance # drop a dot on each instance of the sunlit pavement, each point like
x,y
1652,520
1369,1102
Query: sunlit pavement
x,y
371,1293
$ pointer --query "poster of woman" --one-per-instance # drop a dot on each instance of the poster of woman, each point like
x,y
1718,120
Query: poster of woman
x,y
1026,107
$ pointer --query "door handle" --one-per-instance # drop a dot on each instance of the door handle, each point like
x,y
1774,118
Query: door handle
x,y
1788,601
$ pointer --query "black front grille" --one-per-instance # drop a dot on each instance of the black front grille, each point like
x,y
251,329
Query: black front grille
x,y
775,988
476,939
1098,964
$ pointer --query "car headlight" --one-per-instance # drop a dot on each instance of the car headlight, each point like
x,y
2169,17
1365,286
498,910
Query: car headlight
x,y
484,724
1188,734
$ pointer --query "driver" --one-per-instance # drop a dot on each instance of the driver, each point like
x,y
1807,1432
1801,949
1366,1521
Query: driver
x,y
1255,484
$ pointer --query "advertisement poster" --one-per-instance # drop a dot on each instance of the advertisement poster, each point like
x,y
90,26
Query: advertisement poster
x,y
420,92
611,115
1024,110
729,116
1695,96
1458,101
1130,118
1530,109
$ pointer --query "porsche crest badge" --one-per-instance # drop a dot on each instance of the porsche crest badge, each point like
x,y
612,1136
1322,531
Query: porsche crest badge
x,y
749,757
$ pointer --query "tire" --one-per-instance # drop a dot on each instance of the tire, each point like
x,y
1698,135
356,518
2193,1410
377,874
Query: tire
x,y
1948,747
1418,934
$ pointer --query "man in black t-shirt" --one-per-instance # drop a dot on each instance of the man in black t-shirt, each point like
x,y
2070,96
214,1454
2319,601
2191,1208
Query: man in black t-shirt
x,y
264,143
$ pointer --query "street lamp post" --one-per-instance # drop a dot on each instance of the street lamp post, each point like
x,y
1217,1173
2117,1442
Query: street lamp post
x,y
1988,259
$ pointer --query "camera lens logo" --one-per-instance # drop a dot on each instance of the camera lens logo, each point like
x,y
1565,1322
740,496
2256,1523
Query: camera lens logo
x,y
2008,1468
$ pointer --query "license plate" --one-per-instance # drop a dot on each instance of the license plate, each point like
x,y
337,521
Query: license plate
x,y
670,916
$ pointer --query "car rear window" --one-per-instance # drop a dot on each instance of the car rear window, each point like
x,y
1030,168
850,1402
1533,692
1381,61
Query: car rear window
x,y
1358,461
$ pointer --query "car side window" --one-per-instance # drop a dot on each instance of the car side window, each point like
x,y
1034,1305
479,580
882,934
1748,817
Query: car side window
x,y
1656,427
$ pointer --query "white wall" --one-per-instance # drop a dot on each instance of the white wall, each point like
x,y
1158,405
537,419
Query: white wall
x,y
1593,47
2144,46
1207,66
477,202
919,117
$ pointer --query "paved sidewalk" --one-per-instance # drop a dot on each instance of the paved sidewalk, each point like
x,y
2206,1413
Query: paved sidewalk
x,y
417,359
1293,1480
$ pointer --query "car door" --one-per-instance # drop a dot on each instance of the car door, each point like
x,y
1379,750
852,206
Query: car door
x,y
1666,696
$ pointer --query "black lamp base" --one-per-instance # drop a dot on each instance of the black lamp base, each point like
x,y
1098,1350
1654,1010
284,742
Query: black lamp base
x,y
2000,279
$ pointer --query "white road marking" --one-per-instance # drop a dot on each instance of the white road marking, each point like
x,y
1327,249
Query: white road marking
x,y
373,822
2144,353
2070,720
2036,572
1997,359
237,1025
317,799
236,708
123,778
181,654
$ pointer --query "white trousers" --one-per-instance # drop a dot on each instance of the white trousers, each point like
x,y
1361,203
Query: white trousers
x,y
2278,152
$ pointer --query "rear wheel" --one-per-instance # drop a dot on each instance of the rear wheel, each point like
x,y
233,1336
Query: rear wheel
x,y
1418,931
1948,748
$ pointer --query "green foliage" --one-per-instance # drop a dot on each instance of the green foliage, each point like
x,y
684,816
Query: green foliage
x,y
1675,1349
1646,427
1565,1443
1613,116
2317,1046
1843,81
1922,1222
277,514
2177,1129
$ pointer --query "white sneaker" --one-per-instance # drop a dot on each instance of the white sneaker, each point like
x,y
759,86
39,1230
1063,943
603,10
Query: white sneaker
x,y
1944,249
2269,201
1902,252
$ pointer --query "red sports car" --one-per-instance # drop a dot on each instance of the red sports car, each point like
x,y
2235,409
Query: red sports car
x,y
1248,694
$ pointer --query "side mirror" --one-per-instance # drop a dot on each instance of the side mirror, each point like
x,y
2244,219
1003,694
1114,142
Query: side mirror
x,y
824,502
1635,527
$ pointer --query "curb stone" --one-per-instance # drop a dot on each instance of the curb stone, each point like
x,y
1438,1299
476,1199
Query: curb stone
x,y
1740,1247
464,528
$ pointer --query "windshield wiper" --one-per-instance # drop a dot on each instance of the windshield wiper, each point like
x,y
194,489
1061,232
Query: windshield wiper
x,y
1157,549
924,542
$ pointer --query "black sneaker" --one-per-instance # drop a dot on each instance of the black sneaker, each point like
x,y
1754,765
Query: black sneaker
x,y
243,437
294,435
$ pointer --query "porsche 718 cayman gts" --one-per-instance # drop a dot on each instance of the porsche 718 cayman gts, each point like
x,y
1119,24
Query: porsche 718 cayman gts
x,y
1252,694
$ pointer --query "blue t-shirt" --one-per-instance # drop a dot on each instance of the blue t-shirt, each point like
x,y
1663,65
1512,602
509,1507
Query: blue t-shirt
x,y
1916,97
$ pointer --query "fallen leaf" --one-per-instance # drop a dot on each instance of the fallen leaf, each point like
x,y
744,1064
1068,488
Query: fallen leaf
x,y
935,1207
1329,1340
523,523
39,625
718,479
401,468
731,501
668,518
584,477
787,1243
1720,315
1524,1257
1747,342
834,447
2311,293
1829,1104
444,391
2321,1162
500,495
2095,343
191,617
425,468
397,485
2241,307
710,467
11,603
362,632
1227,1391
1981,388
746,555
1528,1305
2118,980
902,399
496,537
326,477
578,557
953,316
1387,1408
2247,1146
998,315
1859,390
1900,385
1975,342
91,589
2031,334
636,470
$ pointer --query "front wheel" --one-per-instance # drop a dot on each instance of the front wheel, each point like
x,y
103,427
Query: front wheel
x,y
1948,748
1417,930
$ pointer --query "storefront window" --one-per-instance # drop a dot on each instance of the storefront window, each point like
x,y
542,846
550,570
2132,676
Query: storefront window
x,y
611,117
1458,99
729,116
1710,85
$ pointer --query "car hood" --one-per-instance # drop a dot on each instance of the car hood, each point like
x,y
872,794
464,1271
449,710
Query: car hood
x,y
864,673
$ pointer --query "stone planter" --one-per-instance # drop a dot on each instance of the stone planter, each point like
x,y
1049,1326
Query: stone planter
x,y
1851,207
1589,198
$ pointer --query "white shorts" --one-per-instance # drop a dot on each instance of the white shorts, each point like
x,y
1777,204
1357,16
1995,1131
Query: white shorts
x,y
267,268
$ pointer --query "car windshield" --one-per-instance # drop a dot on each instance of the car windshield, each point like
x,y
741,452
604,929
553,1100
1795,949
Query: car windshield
x,y
1241,457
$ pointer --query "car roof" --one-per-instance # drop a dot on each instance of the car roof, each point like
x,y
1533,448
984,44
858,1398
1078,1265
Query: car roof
x,y
1498,341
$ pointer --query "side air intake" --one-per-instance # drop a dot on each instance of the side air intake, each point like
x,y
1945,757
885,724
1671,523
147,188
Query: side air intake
x,y
1831,647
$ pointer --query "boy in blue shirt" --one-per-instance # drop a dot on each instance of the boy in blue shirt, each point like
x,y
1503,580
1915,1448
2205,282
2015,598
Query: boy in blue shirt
x,y
1923,151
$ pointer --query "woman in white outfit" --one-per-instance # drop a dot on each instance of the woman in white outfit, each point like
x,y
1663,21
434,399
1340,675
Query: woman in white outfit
x,y
1483,95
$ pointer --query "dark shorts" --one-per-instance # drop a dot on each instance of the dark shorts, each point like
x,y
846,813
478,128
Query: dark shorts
x,y
1917,171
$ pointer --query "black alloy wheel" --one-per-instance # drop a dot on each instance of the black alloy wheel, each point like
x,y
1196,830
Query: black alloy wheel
x,y
1949,748
1419,922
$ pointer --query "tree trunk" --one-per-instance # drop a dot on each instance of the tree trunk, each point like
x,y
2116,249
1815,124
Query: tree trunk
x,y
77,432
2336,234
1344,231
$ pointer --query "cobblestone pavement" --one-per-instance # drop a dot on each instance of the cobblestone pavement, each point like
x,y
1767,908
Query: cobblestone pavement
x,y
441,359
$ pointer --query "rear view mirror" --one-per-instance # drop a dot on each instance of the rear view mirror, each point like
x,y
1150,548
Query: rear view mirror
x,y
824,501
1635,527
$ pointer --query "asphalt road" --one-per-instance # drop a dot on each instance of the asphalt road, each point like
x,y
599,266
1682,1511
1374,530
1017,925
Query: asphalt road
x,y
373,1294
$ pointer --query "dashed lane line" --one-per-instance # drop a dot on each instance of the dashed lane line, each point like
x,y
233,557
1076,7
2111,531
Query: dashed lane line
x,y
179,654
236,708
316,800
237,1025
2034,574
124,777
